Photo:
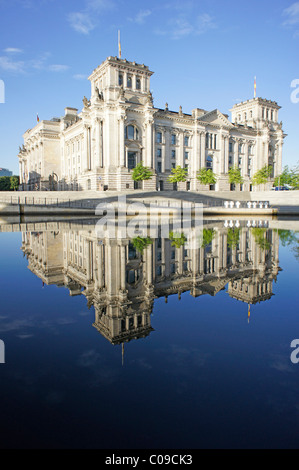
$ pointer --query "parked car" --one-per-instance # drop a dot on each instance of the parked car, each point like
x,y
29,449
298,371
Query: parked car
x,y
282,188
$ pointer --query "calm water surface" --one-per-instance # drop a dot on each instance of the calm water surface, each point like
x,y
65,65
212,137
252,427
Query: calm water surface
x,y
110,347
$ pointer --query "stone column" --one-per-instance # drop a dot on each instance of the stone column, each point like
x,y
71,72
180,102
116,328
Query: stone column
x,y
122,273
245,160
181,150
166,157
98,149
202,150
122,157
149,160
100,266
86,148
195,163
226,156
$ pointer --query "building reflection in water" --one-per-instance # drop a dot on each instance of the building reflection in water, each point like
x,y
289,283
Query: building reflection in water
x,y
122,282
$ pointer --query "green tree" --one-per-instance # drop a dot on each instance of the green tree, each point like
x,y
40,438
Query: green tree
x,y
177,239
260,236
288,176
262,175
5,183
234,176
288,237
233,237
140,243
206,176
208,234
14,183
141,173
178,175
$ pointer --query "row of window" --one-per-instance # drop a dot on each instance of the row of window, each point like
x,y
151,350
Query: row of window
x,y
132,133
173,154
211,141
266,114
129,83
241,148
72,147
173,139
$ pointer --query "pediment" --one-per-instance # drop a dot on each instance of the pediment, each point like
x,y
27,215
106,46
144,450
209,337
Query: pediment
x,y
217,118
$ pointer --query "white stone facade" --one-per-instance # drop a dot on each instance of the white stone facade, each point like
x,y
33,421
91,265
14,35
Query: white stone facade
x,y
119,127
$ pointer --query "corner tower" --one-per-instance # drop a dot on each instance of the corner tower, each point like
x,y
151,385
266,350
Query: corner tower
x,y
255,112
115,74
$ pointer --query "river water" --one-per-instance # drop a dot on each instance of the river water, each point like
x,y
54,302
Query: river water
x,y
133,343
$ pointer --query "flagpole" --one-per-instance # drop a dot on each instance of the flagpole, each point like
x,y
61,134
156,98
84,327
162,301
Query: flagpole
x,y
119,46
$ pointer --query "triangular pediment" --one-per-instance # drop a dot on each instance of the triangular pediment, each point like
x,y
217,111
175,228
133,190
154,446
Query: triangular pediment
x,y
217,118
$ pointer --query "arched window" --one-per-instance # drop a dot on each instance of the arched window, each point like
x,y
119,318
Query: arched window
x,y
131,133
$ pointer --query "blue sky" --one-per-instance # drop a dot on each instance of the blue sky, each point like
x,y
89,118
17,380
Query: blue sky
x,y
204,53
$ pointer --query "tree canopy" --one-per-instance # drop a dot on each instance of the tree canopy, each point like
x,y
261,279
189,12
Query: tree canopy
x,y
262,175
178,175
177,239
208,234
206,176
140,243
9,183
288,176
234,176
141,173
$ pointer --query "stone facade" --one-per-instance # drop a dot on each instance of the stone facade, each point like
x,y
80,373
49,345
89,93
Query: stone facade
x,y
119,127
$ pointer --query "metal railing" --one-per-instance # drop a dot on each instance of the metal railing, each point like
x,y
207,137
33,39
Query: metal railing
x,y
92,204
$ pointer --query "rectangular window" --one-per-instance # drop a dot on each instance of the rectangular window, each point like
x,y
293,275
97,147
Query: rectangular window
x,y
138,84
186,141
159,167
173,139
173,154
173,165
215,141
120,79
129,81
159,153
186,155
131,160
230,146
159,137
